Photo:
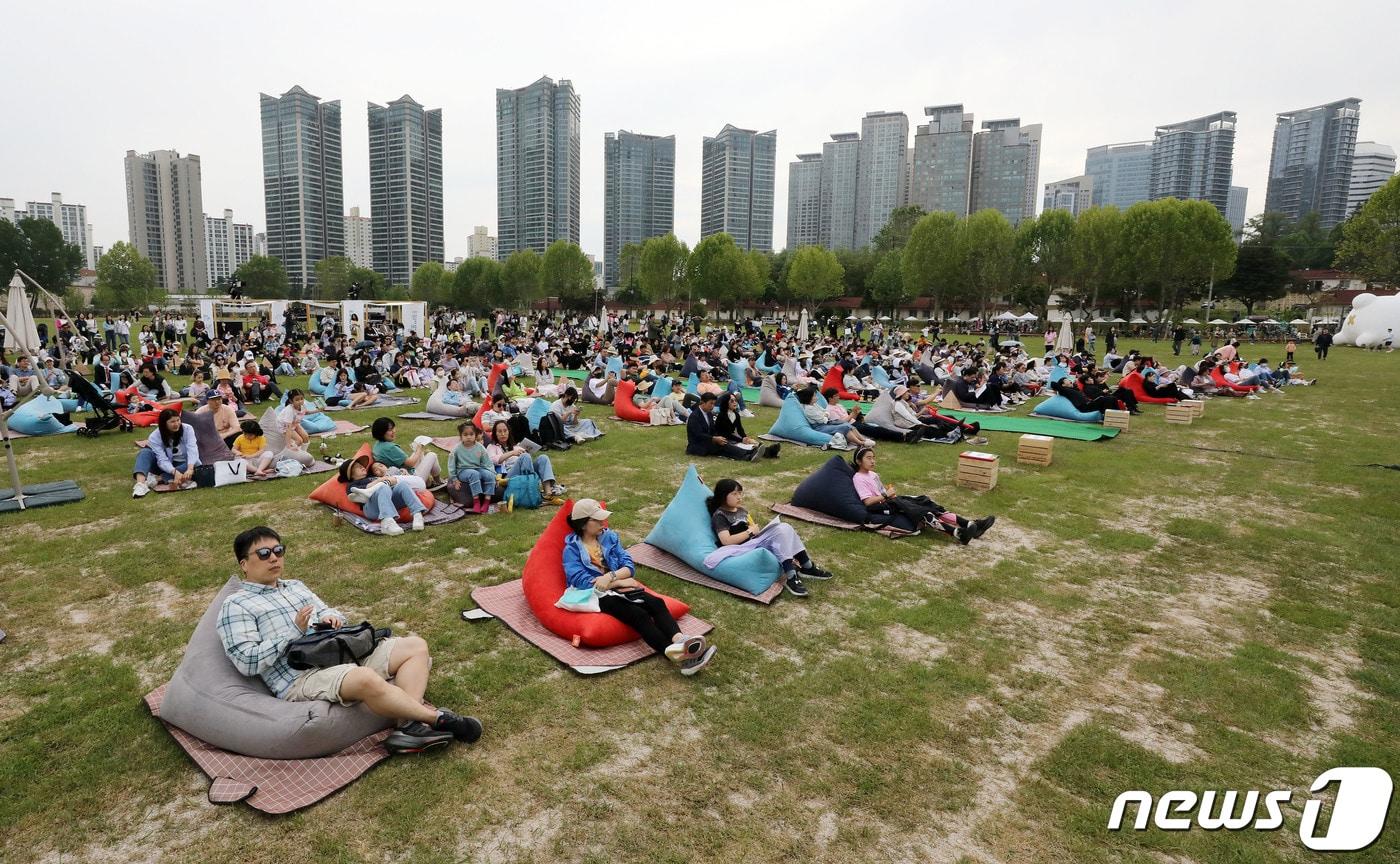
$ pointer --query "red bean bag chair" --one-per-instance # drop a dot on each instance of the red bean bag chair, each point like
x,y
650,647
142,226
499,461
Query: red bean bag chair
x,y
337,494
835,378
625,408
1218,377
485,406
1133,381
130,396
494,376
543,584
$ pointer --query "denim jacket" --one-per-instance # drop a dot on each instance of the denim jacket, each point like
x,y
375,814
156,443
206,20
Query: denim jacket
x,y
579,570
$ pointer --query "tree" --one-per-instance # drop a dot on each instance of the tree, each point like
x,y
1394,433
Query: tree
x,y
520,280
1261,275
813,275
1266,228
1306,245
886,285
263,277
1047,244
629,262
1175,247
36,246
718,270
757,284
373,285
565,272
856,267
661,269
986,250
1096,254
126,279
896,230
930,259
1370,245
432,283
333,278
477,285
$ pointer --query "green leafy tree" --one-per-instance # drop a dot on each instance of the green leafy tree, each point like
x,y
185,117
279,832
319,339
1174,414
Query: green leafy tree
x,y
758,284
264,278
396,292
332,278
520,280
986,245
1267,228
126,279
813,276
856,267
886,285
897,229
373,285
566,273
432,283
1172,248
36,246
718,270
1046,244
1306,245
1261,275
1096,255
661,269
1370,244
930,259
477,284
629,263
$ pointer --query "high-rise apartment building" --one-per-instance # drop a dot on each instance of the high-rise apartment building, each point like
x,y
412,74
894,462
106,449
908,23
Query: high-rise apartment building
x,y
359,239
1372,168
165,217
227,246
1194,160
405,187
1075,194
881,172
537,166
260,243
804,213
1006,168
1122,173
71,220
639,193
8,212
1234,210
1310,168
940,171
303,185
737,177
480,244
840,178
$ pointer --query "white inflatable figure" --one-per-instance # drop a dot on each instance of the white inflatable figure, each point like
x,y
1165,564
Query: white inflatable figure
x,y
1366,324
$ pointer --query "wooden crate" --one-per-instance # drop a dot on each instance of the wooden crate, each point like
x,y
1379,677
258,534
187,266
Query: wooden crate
x,y
1180,414
977,470
1197,406
1035,449
1117,419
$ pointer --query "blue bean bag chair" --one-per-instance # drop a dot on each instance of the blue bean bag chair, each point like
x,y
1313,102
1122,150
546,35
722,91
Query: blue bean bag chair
x,y
661,389
1059,408
792,425
880,377
614,365
535,413
71,405
831,490
766,368
738,374
315,424
35,417
692,386
315,385
684,530
1057,372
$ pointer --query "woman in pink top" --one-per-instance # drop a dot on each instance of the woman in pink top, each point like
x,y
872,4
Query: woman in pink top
x,y
880,499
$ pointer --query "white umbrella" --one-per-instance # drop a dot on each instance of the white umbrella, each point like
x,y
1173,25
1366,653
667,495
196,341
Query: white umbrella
x,y
1219,321
603,322
802,327
1030,316
1271,322
1190,321
1065,341
21,336
1134,321
884,317
1100,321
852,318
866,318
910,318
1119,321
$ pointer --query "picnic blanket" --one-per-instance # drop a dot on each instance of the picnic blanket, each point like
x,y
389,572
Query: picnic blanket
x,y
14,436
317,467
274,785
507,602
1034,425
428,415
442,513
342,427
447,442
659,559
381,402
778,439
816,517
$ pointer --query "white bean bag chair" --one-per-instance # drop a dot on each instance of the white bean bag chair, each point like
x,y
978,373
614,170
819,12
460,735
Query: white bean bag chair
x,y
436,405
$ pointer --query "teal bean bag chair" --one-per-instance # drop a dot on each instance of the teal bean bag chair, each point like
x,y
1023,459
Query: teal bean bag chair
x,y
684,530
615,365
792,425
315,384
1057,372
72,406
535,413
315,424
693,385
35,417
739,373
767,369
880,377
661,389
1059,408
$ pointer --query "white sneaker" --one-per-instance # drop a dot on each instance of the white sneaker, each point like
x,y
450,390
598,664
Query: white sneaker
x,y
388,527
417,521
140,490
746,413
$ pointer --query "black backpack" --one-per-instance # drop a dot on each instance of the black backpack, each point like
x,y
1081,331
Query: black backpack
x,y
550,431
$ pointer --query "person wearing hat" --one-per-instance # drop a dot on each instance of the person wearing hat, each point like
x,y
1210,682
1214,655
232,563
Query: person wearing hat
x,y
594,559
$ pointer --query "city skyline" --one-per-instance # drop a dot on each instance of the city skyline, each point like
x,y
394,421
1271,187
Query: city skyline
x,y
1079,107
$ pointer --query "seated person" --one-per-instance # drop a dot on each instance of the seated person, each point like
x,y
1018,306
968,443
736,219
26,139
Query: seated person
x,y
817,419
1096,386
501,409
382,494
864,387
452,394
881,498
780,385
171,448
675,402
470,471
512,460
421,462
258,621
152,386
251,444
24,378
702,438
225,415
577,428
736,535
198,387
974,390
343,391
707,383
255,385
836,412
289,419
594,558
1086,404
729,424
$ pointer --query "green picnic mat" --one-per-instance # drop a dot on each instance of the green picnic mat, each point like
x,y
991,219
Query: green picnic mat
x,y
1035,425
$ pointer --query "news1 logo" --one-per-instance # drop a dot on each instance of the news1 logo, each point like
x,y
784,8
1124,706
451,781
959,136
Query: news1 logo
x,y
1363,799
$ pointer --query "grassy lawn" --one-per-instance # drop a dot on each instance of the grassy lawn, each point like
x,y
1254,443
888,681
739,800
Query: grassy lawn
x,y
1214,606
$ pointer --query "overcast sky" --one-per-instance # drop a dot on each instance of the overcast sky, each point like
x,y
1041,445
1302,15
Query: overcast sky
x,y
87,81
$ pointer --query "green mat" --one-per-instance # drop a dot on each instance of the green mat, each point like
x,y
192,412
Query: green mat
x,y
1035,425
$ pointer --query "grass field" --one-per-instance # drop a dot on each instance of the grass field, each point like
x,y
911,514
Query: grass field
x,y
1214,606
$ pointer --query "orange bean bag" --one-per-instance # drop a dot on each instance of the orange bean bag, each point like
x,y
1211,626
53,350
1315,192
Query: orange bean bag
x,y
543,584
337,494
1134,383
480,412
835,377
131,395
493,377
1218,377
624,407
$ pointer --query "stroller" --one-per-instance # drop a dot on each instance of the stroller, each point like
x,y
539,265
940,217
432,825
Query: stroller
x,y
104,413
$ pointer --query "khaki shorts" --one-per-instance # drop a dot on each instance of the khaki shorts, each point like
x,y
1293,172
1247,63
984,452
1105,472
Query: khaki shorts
x,y
324,684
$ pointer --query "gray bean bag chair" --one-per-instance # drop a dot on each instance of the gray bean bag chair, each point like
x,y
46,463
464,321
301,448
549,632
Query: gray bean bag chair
x,y
830,490
211,446
437,406
608,396
212,701
768,393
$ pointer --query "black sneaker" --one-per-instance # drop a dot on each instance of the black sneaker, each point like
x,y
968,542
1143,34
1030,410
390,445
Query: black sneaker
x,y
465,729
695,664
771,451
964,535
416,737
796,586
981,525
815,572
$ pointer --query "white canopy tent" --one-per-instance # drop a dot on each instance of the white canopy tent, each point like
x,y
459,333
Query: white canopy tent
x,y
1029,316
1135,321
211,308
1218,321
1007,316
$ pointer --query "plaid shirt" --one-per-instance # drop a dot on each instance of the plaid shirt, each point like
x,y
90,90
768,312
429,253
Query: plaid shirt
x,y
257,622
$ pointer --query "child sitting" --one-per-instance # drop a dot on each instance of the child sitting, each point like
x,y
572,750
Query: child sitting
x,y
471,470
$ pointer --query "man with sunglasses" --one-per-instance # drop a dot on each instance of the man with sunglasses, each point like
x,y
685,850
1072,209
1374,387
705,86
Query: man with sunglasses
x,y
259,621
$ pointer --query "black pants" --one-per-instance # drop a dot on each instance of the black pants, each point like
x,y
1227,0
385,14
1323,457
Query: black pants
x,y
650,618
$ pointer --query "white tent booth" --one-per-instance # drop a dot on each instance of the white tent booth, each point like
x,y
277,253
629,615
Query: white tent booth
x,y
353,315
356,315
246,312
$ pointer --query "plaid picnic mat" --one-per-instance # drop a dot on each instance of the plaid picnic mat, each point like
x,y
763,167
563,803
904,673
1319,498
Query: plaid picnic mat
x,y
381,402
659,559
818,518
342,427
442,513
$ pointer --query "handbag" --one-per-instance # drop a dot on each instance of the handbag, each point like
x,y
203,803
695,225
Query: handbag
x,y
660,417
230,471
334,646
204,476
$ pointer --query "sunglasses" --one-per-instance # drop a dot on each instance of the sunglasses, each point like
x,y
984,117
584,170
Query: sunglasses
x,y
267,552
